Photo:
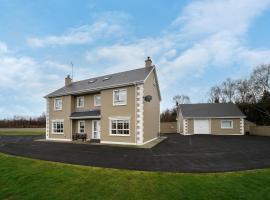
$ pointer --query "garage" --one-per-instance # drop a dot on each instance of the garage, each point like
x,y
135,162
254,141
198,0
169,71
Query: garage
x,y
201,126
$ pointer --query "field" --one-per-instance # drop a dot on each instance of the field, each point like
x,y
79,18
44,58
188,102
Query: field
x,y
22,131
23,178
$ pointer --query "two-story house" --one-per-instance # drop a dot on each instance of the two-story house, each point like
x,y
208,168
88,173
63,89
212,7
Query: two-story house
x,y
120,108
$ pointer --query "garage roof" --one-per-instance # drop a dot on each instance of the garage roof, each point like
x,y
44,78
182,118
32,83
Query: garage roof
x,y
210,110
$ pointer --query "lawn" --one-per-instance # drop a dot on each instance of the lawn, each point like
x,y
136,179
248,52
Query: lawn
x,y
22,131
23,178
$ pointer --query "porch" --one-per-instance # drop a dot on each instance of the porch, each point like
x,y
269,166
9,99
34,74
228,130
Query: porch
x,y
85,126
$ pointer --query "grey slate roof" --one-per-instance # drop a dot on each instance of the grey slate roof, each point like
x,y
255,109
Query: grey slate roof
x,y
117,79
90,113
210,110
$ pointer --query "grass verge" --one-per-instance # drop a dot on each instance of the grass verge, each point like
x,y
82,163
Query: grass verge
x,y
22,131
23,178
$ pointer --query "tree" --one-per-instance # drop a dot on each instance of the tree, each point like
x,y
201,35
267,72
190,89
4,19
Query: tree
x,y
181,99
228,89
260,79
215,94
243,91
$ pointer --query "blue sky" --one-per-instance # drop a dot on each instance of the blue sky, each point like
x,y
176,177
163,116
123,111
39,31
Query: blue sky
x,y
194,44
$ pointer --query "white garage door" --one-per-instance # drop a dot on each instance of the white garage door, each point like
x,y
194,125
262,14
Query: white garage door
x,y
201,126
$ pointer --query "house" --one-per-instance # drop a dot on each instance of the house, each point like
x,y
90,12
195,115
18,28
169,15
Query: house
x,y
120,108
210,118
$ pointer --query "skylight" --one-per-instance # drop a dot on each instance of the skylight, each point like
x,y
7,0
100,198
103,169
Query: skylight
x,y
92,81
107,78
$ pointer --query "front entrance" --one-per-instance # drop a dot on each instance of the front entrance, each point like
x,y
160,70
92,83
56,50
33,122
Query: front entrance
x,y
96,129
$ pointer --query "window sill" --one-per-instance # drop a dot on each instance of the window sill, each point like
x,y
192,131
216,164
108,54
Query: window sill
x,y
58,133
226,128
121,135
58,110
119,104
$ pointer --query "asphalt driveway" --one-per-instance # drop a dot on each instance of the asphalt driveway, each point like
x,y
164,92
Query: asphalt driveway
x,y
197,153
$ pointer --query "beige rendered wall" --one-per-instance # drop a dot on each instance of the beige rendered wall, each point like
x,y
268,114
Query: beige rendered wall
x,y
217,130
108,110
168,127
260,130
151,109
67,108
88,103
180,123
88,127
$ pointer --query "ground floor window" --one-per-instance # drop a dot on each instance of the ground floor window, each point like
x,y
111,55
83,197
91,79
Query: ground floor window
x,y
120,127
81,127
226,124
58,127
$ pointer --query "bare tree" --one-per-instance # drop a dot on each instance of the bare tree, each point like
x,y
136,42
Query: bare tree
x,y
260,79
228,89
181,99
243,91
215,95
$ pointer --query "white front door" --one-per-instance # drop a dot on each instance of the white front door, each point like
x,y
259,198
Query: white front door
x,y
201,126
96,129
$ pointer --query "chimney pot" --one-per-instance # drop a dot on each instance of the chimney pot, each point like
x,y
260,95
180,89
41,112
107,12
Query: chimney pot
x,y
68,80
148,62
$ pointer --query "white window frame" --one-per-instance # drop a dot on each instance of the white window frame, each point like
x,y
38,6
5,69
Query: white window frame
x,y
78,101
79,126
226,120
58,121
95,102
120,103
60,108
118,119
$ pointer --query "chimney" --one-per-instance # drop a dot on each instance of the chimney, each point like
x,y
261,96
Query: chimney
x,y
68,80
148,62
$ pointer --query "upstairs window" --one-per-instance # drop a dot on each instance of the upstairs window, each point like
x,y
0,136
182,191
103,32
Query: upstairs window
x,y
226,124
58,104
80,102
97,100
119,97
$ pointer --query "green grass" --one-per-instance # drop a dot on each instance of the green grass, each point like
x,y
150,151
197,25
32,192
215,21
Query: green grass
x,y
22,178
22,131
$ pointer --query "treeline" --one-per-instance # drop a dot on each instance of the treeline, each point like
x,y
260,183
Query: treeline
x,y
252,95
24,122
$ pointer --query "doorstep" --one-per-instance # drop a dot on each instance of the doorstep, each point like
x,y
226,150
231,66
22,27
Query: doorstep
x,y
148,145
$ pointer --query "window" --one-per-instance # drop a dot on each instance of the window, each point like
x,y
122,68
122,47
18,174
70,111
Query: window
x,y
97,100
120,127
120,97
81,127
80,102
226,124
58,127
57,104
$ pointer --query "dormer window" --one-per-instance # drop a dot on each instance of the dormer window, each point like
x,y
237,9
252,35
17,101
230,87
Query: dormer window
x,y
80,102
58,104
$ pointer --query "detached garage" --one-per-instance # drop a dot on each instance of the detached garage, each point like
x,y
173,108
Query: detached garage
x,y
210,118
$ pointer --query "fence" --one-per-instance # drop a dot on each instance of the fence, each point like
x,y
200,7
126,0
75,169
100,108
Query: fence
x,y
168,127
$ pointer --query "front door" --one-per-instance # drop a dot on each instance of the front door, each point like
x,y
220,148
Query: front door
x,y
96,129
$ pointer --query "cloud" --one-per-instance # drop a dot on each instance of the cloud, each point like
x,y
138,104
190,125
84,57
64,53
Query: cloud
x,y
206,35
3,48
109,25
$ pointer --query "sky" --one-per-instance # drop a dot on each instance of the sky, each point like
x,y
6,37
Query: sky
x,y
194,45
